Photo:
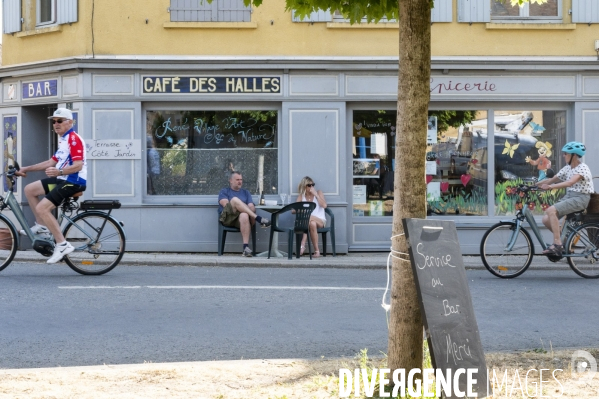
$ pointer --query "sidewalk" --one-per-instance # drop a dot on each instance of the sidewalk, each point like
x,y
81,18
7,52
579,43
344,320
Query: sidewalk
x,y
353,260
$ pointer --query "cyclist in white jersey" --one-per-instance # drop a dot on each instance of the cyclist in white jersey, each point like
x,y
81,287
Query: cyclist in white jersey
x,y
67,173
576,178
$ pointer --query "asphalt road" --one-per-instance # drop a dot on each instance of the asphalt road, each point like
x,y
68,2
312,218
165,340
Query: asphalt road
x,y
50,316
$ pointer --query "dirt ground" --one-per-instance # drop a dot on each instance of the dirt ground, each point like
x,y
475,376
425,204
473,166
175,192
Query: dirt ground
x,y
270,379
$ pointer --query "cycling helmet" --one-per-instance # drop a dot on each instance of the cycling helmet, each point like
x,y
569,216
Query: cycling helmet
x,y
574,147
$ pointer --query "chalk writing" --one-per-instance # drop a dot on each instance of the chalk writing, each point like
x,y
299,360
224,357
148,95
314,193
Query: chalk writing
x,y
430,261
449,309
437,282
457,352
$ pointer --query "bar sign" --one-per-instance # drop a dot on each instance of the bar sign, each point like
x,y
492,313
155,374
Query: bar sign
x,y
40,88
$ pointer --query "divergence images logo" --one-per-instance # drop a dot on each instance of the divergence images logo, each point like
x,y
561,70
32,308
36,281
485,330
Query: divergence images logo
x,y
584,366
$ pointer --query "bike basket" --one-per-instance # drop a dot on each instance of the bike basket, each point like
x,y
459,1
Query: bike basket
x,y
91,205
593,206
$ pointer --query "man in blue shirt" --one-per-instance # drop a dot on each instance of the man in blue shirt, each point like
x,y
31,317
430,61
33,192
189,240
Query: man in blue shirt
x,y
236,209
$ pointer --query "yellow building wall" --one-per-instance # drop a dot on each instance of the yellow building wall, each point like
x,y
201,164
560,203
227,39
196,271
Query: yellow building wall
x,y
135,28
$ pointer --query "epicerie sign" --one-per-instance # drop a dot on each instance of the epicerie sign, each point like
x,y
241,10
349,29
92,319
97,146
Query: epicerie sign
x,y
211,85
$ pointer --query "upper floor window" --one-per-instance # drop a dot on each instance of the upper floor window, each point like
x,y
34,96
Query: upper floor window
x,y
546,11
46,12
217,11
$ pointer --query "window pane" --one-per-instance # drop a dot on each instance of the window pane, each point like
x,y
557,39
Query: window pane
x,y
456,163
527,143
193,152
373,162
504,8
456,181
548,9
45,11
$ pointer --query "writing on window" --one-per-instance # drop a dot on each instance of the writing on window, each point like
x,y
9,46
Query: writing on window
x,y
194,152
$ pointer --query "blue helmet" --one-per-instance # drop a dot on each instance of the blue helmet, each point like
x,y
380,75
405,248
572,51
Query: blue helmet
x,y
574,147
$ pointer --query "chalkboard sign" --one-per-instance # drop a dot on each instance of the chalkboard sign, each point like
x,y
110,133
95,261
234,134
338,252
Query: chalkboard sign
x,y
445,302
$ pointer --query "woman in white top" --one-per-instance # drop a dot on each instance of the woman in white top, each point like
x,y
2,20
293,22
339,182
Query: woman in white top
x,y
307,192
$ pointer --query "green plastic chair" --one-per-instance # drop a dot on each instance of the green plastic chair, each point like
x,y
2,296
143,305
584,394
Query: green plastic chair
x,y
303,210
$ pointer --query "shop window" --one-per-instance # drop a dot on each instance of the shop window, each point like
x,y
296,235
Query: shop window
x,y
456,164
527,143
456,180
373,162
501,9
194,152
217,11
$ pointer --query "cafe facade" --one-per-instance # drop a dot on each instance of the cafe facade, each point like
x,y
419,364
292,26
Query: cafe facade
x,y
164,133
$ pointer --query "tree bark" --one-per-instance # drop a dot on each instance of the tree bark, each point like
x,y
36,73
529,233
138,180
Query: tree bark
x,y
405,324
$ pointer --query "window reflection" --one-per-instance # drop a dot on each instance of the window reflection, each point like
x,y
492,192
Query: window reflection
x,y
456,163
194,152
527,144
373,166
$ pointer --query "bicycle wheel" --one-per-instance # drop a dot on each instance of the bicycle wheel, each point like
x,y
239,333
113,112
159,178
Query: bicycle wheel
x,y
99,242
495,255
8,242
584,241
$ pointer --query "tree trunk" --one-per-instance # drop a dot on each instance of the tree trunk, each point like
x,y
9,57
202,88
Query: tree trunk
x,y
405,325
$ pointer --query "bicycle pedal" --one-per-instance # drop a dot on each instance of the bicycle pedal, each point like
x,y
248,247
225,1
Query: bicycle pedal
x,y
554,258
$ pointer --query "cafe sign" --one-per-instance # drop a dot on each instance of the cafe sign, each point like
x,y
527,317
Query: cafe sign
x,y
113,149
211,85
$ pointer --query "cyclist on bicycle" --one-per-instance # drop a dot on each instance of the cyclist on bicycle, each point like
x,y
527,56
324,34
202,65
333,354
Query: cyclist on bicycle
x,y
576,178
66,172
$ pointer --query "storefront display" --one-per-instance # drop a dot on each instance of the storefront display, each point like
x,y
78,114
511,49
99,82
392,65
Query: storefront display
x,y
194,152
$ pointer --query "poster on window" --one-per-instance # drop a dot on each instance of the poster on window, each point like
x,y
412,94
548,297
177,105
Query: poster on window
x,y
376,208
10,144
360,194
431,136
366,168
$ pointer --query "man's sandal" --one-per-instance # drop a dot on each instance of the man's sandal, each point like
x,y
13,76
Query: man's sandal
x,y
554,250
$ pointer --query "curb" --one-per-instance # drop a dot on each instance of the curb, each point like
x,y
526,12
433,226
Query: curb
x,y
367,261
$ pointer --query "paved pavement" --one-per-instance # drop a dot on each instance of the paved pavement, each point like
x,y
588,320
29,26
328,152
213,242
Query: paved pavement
x,y
358,260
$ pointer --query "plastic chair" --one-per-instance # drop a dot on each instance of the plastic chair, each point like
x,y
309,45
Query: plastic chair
x,y
325,230
222,236
303,210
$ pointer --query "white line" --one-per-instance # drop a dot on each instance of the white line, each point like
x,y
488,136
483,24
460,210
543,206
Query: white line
x,y
256,287
99,287
226,287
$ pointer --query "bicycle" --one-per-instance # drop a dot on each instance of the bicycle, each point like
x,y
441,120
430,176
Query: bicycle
x,y
507,248
98,238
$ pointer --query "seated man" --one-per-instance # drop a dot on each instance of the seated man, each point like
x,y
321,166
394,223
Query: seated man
x,y
236,209
576,178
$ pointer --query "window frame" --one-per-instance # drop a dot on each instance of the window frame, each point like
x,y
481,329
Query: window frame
x,y
525,17
206,199
212,9
490,107
38,8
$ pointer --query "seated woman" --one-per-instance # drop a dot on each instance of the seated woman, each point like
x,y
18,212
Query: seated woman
x,y
308,193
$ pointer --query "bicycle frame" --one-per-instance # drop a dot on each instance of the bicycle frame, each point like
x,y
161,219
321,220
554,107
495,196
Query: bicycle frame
x,y
525,214
11,202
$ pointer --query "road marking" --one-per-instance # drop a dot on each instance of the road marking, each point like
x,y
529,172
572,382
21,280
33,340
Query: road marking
x,y
99,287
226,287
